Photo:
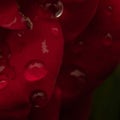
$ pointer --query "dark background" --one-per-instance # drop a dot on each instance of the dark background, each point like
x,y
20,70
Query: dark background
x,y
106,104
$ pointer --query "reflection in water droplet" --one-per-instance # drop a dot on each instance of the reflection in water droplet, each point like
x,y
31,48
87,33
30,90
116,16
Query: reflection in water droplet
x,y
77,73
108,40
2,67
110,8
19,35
38,99
55,31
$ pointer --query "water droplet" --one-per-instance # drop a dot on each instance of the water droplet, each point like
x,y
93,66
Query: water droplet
x,y
38,99
77,73
2,67
110,8
38,94
19,35
28,22
3,84
55,31
108,40
35,71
